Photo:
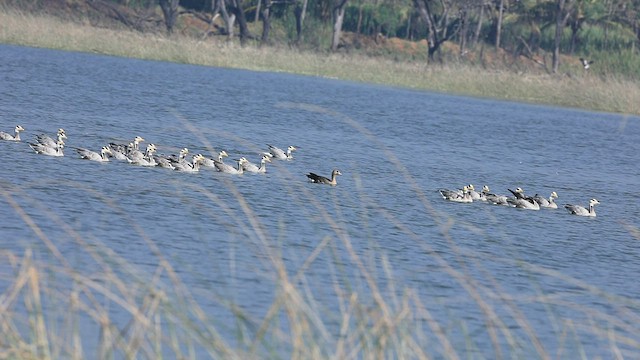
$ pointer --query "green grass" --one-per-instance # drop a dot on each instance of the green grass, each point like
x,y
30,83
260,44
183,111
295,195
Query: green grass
x,y
574,88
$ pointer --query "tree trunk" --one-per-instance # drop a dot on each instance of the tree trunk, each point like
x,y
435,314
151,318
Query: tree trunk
x,y
228,20
170,12
300,12
432,35
563,11
499,24
338,18
476,35
464,19
266,22
238,11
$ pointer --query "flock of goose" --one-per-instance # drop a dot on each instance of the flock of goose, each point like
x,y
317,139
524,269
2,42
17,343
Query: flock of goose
x,y
469,194
131,153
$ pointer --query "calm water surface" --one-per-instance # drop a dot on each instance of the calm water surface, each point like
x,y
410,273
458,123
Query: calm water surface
x,y
562,274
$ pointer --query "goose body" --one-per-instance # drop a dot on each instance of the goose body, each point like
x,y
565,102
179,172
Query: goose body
x,y
94,156
318,179
474,194
147,159
582,211
206,162
46,140
226,168
280,154
47,150
192,167
548,203
524,203
250,167
9,137
456,195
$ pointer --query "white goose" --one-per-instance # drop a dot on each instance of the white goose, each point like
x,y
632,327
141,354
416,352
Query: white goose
x,y
250,167
211,163
46,140
192,167
549,203
47,150
456,195
524,203
280,154
148,159
226,168
582,211
94,156
9,137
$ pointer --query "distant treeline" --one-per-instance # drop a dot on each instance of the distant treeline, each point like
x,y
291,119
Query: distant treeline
x,y
606,30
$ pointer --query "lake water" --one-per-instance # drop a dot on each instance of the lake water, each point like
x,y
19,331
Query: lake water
x,y
499,281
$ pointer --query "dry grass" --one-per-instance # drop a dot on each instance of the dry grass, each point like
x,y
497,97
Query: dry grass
x,y
579,89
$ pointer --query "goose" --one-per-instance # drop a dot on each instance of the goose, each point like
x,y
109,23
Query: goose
x,y
47,150
315,178
192,167
206,162
135,154
119,152
473,193
456,195
524,203
9,137
46,140
226,168
247,166
581,211
547,203
493,198
147,159
586,63
280,154
94,156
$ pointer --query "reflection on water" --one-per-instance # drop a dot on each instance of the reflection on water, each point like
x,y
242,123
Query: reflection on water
x,y
221,233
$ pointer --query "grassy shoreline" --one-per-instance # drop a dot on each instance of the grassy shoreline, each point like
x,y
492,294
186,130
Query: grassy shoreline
x,y
580,90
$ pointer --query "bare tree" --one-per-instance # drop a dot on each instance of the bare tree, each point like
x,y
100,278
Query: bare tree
x,y
170,12
499,23
563,12
437,32
300,12
338,18
266,22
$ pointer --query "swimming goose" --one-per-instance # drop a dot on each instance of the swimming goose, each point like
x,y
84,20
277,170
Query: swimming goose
x,y
206,162
474,194
46,140
547,203
493,198
47,150
250,167
315,178
192,167
280,154
524,203
581,211
456,195
135,154
226,168
94,156
147,159
9,137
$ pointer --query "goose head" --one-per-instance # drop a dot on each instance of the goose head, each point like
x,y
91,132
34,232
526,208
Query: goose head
x,y
335,172
593,202
222,154
106,150
19,128
266,158
554,195
485,189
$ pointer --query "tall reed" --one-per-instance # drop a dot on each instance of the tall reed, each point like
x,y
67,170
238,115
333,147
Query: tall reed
x,y
51,308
